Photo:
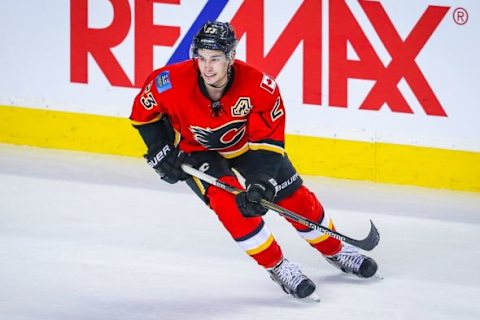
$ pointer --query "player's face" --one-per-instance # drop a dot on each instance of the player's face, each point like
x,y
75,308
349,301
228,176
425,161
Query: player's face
x,y
213,66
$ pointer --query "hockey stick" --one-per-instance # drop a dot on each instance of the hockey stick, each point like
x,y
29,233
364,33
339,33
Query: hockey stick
x,y
368,243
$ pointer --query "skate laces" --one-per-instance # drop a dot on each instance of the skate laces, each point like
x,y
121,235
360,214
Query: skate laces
x,y
349,257
290,274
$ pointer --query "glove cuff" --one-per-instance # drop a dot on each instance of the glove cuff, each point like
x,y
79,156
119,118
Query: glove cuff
x,y
157,153
266,181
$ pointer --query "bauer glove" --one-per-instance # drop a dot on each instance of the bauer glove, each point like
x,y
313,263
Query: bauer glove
x,y
259,187
166,160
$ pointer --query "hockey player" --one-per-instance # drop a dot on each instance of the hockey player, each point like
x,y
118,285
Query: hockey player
x,y
217,114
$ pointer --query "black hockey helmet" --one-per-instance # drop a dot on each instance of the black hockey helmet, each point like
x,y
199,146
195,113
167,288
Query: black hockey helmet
x,y
215,35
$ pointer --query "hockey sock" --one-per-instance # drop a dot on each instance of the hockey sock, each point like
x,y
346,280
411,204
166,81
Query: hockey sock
x,y
306,204
250,233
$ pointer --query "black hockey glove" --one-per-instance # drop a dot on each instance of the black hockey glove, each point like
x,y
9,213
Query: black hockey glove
x,y
166,160
260,187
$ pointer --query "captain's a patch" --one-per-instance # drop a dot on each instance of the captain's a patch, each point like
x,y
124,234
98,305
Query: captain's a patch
x,y
242,108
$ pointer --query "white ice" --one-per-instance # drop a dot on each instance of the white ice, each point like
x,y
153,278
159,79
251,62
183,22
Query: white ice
x,y
86,236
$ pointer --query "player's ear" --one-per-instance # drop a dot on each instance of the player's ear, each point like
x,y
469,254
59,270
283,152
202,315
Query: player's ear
x,y
232,57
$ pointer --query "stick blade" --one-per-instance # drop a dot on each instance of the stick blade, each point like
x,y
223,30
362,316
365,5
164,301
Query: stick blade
x,y
370,242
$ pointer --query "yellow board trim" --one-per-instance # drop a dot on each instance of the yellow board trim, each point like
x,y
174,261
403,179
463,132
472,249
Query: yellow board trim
x,y
386,163
71,131
379,162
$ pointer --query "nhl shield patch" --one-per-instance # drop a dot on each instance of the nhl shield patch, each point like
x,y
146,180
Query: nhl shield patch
x,y
162,81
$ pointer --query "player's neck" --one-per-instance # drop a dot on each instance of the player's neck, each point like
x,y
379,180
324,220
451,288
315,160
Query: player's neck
x,y
215,93
216,90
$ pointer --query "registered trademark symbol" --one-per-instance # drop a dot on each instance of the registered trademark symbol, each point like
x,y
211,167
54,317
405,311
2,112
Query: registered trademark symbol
x,y
460,16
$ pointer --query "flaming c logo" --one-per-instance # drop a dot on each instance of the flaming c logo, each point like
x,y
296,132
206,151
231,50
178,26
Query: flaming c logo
x,y
222,137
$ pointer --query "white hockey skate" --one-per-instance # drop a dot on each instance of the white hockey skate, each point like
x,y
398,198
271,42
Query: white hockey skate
x,y
350,260
289,276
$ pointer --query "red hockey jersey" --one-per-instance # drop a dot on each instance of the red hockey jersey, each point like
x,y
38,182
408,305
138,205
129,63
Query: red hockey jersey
x,y
252,116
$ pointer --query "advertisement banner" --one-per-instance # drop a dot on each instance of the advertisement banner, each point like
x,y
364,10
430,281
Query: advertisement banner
x,y
387,71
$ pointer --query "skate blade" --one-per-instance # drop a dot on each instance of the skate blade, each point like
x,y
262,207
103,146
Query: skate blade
x,y
378,275
314,297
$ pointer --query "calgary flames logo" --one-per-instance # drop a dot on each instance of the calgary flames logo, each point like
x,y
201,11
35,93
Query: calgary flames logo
x,y
222,137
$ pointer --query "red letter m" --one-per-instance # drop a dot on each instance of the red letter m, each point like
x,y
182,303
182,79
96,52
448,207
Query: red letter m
x,y
305,26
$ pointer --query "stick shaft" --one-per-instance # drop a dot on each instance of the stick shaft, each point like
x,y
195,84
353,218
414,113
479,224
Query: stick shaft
x,y
368,243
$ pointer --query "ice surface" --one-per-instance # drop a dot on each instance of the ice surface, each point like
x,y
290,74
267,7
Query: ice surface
x,y
86,236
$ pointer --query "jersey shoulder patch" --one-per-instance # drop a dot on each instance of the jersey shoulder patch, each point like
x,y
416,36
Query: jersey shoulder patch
x,y
162,81
268,84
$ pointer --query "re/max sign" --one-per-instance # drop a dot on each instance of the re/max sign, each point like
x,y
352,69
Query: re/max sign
x,y
304,28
